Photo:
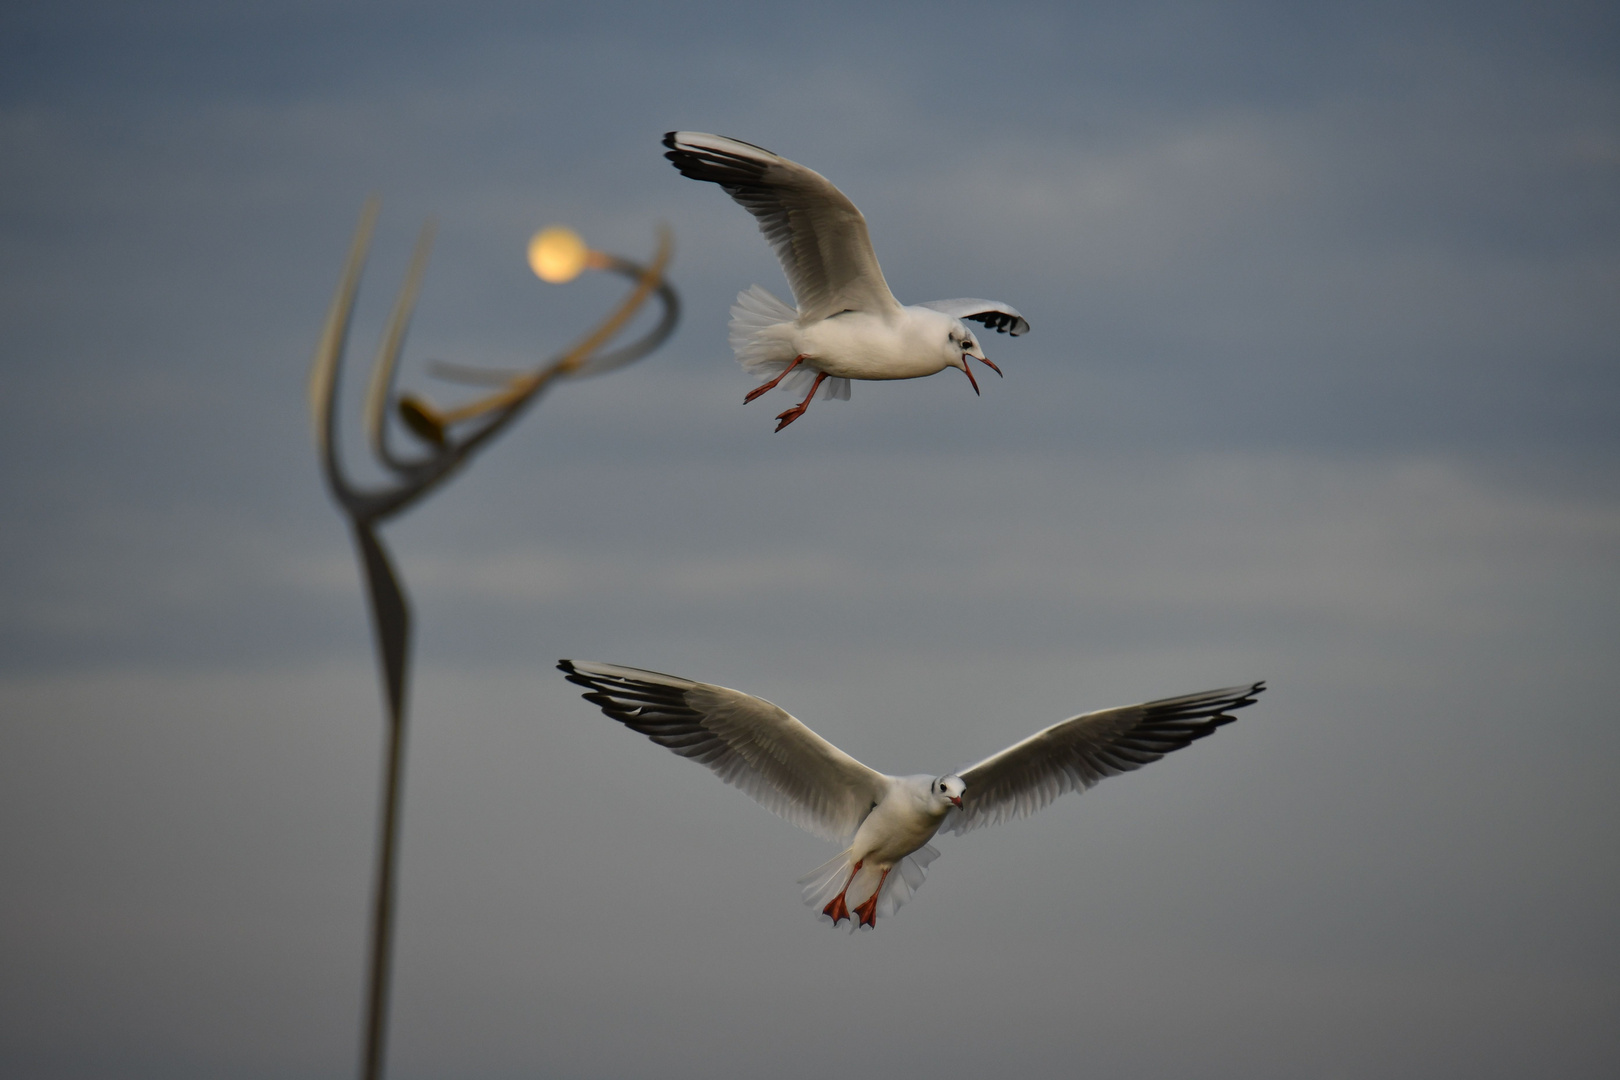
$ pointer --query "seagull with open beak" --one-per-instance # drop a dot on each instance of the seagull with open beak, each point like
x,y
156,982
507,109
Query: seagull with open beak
x,y
847,325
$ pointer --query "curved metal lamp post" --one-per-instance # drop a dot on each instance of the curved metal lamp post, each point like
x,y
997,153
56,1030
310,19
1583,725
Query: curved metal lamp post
x,y
449,438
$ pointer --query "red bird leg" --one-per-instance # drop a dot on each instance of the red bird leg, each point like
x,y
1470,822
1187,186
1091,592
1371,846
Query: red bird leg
x,y
758,390
868,910
798,410
837,910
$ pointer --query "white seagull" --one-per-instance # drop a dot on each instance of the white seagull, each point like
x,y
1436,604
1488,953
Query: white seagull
x,y
887,821
848,324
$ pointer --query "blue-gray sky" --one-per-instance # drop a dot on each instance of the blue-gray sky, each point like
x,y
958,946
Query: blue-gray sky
x,y
1322,389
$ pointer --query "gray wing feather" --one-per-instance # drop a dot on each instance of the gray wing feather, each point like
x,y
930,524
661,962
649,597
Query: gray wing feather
x,y
746,741
1077,753
1002,318
817,233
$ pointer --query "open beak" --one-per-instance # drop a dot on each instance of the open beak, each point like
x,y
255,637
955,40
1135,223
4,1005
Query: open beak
x,y
969,374
956,801
990,364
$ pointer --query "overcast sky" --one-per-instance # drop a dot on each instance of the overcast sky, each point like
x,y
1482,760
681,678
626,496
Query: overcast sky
x,y
1323,388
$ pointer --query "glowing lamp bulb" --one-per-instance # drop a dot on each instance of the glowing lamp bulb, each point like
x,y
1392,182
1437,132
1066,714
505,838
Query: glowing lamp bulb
x,y
557,254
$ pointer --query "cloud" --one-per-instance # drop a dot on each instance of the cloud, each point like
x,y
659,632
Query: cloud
x,y
1320,390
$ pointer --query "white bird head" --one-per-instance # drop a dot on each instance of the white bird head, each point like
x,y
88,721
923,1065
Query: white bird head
x,y
948,789
962,344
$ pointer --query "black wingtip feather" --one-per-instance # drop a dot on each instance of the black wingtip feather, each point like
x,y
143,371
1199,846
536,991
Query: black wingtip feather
x,y
619,697
1001,322
1176,722
715,166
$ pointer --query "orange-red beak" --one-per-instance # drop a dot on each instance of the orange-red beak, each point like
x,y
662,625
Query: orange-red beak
x,y
969,373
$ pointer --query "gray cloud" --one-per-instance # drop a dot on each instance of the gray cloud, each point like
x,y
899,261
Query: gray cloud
x,y
1321,390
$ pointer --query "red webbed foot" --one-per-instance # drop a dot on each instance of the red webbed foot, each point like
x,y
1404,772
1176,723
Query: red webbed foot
x,y
836,910
798,410
868,909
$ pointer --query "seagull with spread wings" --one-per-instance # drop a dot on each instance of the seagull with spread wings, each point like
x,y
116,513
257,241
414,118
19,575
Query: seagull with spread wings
x,y
848,324
886,821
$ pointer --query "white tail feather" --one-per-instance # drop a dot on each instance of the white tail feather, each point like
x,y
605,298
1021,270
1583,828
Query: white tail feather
x,y
824,882
762,331
907,877
827,881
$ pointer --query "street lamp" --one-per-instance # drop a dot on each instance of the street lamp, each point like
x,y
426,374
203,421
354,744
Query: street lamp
x,y
446,439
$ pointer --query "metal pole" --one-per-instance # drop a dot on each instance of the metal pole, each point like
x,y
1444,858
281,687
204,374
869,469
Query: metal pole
x,y
447,451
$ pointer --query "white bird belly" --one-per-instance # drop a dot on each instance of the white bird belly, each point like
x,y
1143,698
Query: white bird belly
x,y
895,828
862,346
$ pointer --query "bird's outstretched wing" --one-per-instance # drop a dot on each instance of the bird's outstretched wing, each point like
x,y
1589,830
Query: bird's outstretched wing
x,y
1077,753
746,741
814,229
1002,318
